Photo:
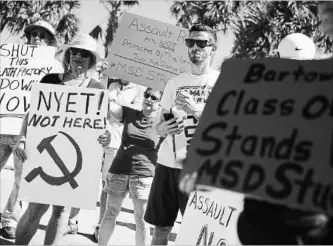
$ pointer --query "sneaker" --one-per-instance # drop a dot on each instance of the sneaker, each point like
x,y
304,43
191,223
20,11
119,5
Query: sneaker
x,y
71,228
8,232
96,233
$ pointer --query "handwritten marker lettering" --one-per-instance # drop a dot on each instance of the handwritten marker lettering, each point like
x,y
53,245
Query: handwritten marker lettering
x,y
100,102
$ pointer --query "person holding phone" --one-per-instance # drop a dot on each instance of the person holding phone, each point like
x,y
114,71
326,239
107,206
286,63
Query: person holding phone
x,y
184,96
262,222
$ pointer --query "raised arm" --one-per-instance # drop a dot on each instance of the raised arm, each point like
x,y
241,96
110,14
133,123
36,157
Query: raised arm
x,y
115,110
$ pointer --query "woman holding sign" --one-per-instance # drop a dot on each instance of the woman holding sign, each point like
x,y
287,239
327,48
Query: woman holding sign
x,y
133,168
40,33
79,60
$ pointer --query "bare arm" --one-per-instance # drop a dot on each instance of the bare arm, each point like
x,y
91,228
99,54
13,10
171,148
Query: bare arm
x,y
158,125
19,148
127,104
115,110
24,128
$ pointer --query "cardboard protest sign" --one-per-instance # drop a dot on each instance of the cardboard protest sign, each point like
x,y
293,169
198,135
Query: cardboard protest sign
x,y
21,67
267,131
147,52
211,218
64,155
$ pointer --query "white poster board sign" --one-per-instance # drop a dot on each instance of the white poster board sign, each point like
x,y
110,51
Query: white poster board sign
x,y
147,52
267,131
211,218
64,155
21,67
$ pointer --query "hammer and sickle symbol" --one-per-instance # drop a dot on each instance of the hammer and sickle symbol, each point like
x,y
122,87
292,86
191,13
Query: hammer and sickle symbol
x,y
45,144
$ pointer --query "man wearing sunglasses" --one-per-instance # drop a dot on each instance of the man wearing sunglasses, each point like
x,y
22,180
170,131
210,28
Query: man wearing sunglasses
x,y
187,95
39,33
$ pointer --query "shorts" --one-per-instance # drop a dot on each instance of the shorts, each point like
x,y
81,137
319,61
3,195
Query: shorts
x,y
165,198
119,185
110,154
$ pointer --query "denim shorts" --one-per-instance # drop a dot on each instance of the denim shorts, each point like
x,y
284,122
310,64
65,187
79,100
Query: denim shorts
x,y
119,185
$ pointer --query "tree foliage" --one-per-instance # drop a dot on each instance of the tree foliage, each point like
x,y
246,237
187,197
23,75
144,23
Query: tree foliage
x,y
115,8
258,26
15,15
216,14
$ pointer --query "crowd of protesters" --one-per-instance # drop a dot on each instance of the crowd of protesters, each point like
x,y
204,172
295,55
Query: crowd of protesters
x,y
144,150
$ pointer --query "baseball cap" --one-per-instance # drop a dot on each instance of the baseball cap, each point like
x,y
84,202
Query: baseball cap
x,y
297,46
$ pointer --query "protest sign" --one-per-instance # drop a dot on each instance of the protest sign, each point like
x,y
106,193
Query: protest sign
x,y
64,155
147,52
21,67
211,218
267,131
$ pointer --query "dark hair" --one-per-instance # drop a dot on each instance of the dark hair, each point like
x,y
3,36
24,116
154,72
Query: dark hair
x,y
204,28
151,89
66,60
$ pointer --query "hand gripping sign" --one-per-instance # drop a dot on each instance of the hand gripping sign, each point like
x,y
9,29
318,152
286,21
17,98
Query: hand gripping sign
x,y
147,52
267,131
64,155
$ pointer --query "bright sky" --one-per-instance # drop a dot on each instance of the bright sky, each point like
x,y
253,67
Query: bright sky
x,y
92,13
153,9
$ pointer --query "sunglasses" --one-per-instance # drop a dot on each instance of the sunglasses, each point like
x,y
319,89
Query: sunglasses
x,y
41,35
83,53
153,98
200,43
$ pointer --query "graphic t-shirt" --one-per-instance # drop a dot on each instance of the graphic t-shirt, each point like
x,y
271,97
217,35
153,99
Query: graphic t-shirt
x,y
199,87
137,154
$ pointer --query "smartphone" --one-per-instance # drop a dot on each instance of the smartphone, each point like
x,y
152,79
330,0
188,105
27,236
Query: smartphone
x,y
168,116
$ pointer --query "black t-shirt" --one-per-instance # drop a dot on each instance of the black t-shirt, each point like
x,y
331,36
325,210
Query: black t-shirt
x,y
54,79
137,154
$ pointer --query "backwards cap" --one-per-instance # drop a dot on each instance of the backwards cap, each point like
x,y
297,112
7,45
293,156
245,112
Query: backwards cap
x,y
297,46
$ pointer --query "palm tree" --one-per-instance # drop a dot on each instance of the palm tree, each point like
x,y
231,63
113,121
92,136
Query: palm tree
x,y
115,8
216,14
67,27
15,15
264,24
185,12
258,26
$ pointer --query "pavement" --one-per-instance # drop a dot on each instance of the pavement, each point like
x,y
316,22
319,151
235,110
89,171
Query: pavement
x,y
124,233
